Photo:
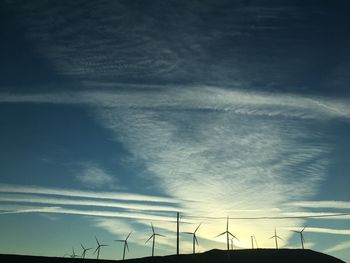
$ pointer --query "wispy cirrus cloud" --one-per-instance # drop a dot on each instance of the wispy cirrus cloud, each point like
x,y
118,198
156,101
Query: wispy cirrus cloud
x,y
86,202
102,40
335,204
222,150
213,151
203,98
339,247
8,188
323,230
95,177
85,212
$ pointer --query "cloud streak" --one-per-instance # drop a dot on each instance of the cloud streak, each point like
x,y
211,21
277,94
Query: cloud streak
x,y
94,213
84,202
339,247
7,188
322,204
199,98
329,230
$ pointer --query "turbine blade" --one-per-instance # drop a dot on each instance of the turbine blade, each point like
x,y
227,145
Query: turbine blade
x,y
128,236
149,238
195,238
303,229
127,246
82,246
96,250
159,235
279,237
230,234
152,228
197,227
119,240
187,233
97,240
223,233
272,237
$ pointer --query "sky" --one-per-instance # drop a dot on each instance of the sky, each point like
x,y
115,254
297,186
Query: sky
x,y
118,114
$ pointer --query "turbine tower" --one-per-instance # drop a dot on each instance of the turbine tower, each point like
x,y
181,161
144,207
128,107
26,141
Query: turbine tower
x,y
153,237
301,236
195,240
84,250
276,238
98,248
125,241
256,242
232,245
228,234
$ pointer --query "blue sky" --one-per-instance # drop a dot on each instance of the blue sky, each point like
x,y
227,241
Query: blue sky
x,y
116,114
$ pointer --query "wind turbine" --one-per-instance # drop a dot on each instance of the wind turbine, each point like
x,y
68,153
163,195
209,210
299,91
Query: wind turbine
x,y
73,255
153,237
195,240
98,248
301,236
232,245
84,250
228,234
125,241
276,237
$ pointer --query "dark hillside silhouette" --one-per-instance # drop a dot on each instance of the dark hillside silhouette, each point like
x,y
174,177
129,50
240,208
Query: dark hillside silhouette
x,y
236,256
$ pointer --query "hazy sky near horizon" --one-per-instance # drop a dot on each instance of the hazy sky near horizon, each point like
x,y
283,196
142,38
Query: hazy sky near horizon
x,y
116,114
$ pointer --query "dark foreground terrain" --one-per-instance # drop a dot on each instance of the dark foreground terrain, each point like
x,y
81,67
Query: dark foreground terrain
x,y
236,256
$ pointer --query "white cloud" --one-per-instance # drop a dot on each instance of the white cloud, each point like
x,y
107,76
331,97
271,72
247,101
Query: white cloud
x,y
328,215
328,230
120,228
236,101
87,202
213,150
95,213
322,204
116,195
341,246
222,150
95,177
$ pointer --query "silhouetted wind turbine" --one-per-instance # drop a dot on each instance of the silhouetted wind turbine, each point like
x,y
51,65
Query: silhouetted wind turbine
x,y
228,234
73,253
153,236
232,245
301,236
195,240
125,241
98,248
84,250
276,237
